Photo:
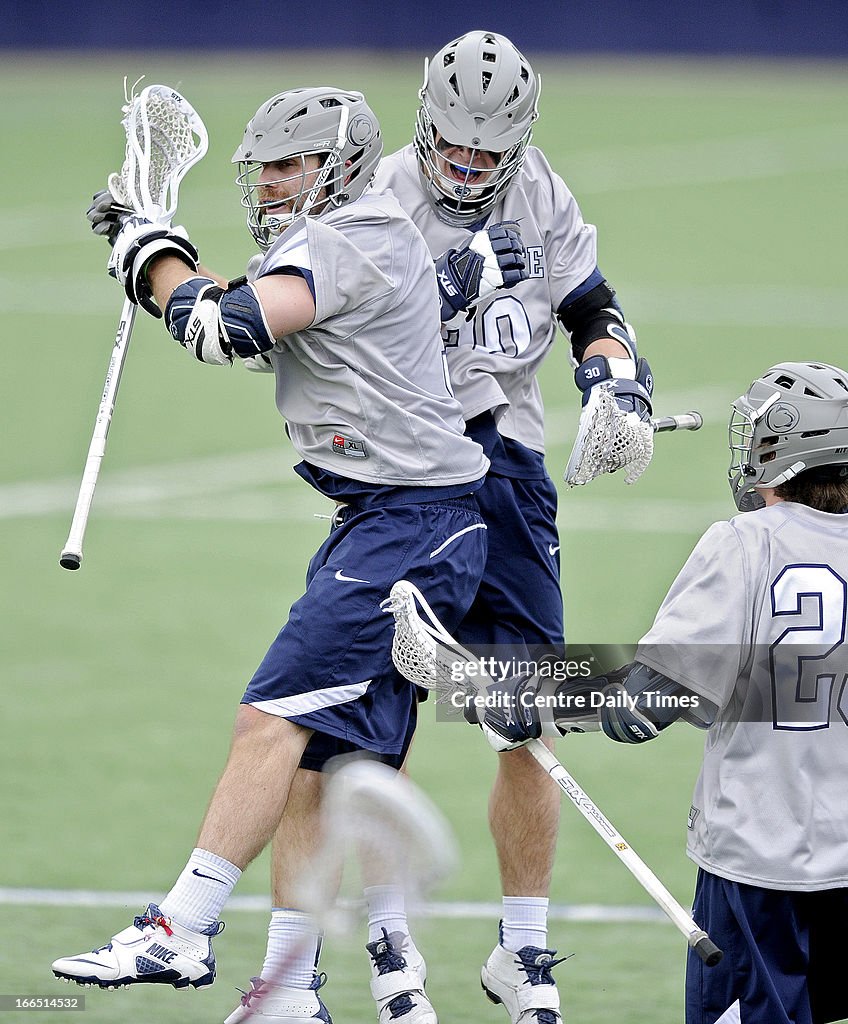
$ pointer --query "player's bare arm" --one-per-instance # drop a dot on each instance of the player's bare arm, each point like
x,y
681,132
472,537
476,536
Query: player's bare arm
x,y
286,302
159,269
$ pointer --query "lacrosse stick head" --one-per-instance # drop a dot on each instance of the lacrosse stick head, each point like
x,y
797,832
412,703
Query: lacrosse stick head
x,y
165,137
422,649
378,828
608,439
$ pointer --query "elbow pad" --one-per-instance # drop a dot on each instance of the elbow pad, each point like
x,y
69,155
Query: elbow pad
x,y
596,315
214,324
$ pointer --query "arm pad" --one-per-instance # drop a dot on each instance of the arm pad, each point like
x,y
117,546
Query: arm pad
x,y
596,315
213,324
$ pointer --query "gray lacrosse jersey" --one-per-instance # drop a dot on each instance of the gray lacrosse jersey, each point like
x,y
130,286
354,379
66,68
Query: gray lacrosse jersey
x,y
755,624
494,358
364,388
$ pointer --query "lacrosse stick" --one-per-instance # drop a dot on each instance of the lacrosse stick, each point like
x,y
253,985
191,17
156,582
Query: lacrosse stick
x,y
377,826
609,439
426,654
165,137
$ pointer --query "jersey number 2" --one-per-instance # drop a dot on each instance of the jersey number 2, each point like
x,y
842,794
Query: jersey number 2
x,y
802,681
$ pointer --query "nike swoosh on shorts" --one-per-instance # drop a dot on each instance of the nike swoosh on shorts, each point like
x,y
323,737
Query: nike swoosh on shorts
x,y
348,579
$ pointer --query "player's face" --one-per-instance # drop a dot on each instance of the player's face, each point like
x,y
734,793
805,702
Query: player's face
x,y
282,181
464,164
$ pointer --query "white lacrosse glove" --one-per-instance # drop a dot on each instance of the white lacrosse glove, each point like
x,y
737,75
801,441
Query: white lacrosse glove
x,y
137,242
260,363
493,258
615,430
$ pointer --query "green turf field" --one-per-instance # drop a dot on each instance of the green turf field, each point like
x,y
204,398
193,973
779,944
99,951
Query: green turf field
x,y
719,194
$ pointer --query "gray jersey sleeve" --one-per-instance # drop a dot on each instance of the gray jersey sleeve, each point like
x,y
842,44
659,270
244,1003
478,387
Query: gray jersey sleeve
x,y
701,634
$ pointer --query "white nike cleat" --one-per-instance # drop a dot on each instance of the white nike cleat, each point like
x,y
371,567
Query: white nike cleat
x,y
523,982
153,950
281,1005
397,985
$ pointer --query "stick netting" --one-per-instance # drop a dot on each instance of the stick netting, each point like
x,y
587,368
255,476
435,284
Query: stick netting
x,y
165,136
378,828
424,653
609,439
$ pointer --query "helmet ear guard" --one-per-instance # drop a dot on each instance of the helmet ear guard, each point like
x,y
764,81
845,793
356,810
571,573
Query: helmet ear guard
x,y
792,419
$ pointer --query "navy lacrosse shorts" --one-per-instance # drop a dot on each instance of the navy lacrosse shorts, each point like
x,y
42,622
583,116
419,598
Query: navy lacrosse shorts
x,y
330,667
519,601
784,953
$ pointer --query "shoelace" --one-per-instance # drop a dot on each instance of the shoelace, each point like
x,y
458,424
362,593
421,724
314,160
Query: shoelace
x,y
143,920
388,958
400,1006
258,987
540,973
548,1017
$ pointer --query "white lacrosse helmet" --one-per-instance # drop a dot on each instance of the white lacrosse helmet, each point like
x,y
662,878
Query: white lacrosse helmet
x,y
479,93
791,419
335,124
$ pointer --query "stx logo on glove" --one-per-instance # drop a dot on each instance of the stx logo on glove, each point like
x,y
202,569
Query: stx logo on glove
x,y
493,258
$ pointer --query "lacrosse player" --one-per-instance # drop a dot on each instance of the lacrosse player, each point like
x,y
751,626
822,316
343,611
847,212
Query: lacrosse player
x,y
343,308
469,174
750,644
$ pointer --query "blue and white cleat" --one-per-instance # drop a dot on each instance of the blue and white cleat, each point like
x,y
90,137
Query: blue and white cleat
x,y
397,982
153,950
523,982
279,1004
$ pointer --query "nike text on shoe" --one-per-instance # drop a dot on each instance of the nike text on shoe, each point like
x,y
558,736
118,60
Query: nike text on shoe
x,y
398,986
523,982
153,950
281,1005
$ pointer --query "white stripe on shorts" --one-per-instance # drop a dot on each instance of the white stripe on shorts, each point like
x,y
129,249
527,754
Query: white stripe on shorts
x,y
312,700
456,536
732,1015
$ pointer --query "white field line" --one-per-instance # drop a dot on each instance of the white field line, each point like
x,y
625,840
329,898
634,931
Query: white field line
x,y
593,913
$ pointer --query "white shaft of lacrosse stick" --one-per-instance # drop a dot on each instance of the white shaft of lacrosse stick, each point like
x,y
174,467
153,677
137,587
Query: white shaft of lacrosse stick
x,y
71,557
695,936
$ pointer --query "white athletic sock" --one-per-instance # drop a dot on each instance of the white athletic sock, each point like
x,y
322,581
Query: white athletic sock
x,y
386,909
199,894
525,922
294,946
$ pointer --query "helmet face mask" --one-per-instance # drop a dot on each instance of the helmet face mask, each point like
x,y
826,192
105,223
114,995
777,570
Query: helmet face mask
x,y
479,97
792,418
334,126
